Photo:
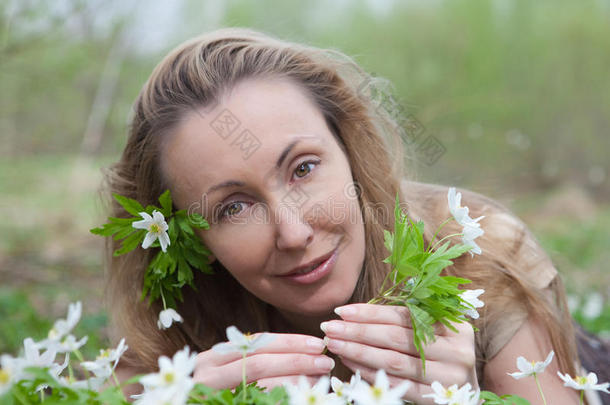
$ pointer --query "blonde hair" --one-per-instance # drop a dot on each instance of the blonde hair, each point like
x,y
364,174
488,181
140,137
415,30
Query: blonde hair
x,y
194,75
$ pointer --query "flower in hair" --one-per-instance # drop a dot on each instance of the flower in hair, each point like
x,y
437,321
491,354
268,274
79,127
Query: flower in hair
x,y
156,227
181,250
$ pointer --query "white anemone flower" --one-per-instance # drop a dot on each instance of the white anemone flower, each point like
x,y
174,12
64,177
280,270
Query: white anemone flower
x,y
588,383
173,382
452,394
531,368
343,390
460,213
10,372
106,361
470,233
171,372
238,342
167,317
156,227
471,298
304,394
380,393
62,328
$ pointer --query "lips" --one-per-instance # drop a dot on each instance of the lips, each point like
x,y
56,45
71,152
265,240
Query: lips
x,y
307,267
308,275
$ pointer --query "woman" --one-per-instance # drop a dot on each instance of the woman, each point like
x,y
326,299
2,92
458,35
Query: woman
x,y
284,150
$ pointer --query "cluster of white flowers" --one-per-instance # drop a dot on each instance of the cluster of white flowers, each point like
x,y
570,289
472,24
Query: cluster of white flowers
x,y
42,354
358,391
472,228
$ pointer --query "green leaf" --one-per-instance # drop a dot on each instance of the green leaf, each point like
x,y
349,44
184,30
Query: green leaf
x,y
131,242
130,205
166,203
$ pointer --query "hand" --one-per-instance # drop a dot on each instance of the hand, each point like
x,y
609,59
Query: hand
x,y
282,360
371,337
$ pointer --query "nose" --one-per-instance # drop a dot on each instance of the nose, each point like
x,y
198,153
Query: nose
x,y
292,231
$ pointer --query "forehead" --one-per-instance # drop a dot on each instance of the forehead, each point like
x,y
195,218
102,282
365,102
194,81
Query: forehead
x,y
242,136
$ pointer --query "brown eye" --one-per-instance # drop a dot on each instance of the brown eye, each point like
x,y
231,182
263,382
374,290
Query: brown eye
x,y
230,209
304,169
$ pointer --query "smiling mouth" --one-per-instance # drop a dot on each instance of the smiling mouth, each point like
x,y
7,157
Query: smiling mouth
x,y
313,273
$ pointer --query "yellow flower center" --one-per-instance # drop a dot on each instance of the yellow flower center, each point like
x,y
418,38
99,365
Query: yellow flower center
x,y
449,393
533,363
377,392
52,333
168,378
580,380
4,377
103,354
154,228
311,399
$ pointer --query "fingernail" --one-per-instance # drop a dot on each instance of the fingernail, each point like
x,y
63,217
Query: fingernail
x,y
343,311
326,340
315,343
323,326
325,363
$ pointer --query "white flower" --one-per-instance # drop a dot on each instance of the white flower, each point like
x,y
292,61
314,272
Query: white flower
x,y
167,317
470,233
460,213
303,394
106,361
10,372
588,383
472,228
529,368
453,394
471,298
33,357
62,328
380,393
238,342
172,383
156,227
343,390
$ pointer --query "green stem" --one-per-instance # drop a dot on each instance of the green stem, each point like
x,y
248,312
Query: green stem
x,y
42,395
80,358
439,229
582,394
243,375
118,384
540,388
448,236
163,299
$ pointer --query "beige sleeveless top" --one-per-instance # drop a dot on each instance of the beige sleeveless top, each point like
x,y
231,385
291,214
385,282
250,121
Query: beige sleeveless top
x,y
428,202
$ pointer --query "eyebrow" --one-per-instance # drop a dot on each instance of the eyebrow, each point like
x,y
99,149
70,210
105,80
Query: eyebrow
x,y
237,183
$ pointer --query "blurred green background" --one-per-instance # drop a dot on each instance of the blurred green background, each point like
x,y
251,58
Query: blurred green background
x,y
517,93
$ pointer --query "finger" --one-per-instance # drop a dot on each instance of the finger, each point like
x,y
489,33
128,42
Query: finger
x,y
413,394
382,314
392,337
282,343
270,383
400,364
264,365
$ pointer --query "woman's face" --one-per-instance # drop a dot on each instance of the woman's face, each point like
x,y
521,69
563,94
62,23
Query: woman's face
x,y
290,198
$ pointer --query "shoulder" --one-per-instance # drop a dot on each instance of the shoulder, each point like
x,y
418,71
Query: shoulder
x,y
507,238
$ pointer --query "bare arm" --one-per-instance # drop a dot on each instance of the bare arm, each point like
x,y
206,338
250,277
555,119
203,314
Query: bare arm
x,y
531,342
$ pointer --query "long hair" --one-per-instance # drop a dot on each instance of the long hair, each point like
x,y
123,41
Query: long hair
x,y
195,75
